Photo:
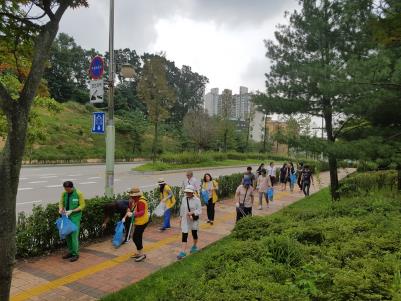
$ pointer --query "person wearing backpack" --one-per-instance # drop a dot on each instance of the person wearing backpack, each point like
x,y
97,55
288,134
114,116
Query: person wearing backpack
x,y
167,197
244,196
300,168
284,176
211,186
292,176
71,204
138,210
190,211
307,179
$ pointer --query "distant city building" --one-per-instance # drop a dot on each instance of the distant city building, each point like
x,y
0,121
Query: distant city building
x,y
240,106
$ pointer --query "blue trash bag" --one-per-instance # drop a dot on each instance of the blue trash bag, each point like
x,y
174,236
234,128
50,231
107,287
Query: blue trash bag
x,y
293,178
270,193
118,236
65,226
205,196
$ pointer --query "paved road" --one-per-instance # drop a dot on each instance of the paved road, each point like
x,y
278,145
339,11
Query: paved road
x,y
42,185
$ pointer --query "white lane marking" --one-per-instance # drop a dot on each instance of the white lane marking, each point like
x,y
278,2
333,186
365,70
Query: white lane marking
x,y
53,186
63,180
32,202
23,178
117,180
77,175
36,182
25,188
86,183
92,178
48,177
146,186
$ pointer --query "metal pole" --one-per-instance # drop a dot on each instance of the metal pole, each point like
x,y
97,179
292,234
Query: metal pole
x,y
110,130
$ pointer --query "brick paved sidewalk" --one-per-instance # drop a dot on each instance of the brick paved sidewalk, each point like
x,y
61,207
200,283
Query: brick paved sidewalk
x,y
102,269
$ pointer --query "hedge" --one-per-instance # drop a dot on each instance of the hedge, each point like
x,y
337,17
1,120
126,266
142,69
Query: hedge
x,y
37,235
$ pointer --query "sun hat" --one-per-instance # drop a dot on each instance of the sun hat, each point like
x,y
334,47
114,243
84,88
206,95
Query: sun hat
x,y
135,191
189,188
161,181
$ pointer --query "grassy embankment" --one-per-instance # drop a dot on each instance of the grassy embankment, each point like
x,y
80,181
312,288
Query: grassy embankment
x,y
313,250
69,137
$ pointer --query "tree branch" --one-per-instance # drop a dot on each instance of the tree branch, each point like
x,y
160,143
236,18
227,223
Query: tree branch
x,y
23,20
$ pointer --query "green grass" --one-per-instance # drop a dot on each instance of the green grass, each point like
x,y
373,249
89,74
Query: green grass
x,y
160,166
311,250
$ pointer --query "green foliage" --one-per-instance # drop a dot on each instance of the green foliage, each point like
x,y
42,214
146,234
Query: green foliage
x,y
312,250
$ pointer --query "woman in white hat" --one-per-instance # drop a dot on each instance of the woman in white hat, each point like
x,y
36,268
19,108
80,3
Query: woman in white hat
x,y
190,212
168,198
138,211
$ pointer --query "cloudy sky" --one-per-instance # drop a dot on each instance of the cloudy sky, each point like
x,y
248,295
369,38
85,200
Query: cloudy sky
x,y
221,39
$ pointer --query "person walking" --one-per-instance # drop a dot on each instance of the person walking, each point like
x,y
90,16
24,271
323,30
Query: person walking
x,y
307,179
190,212
191,180
138,209
271,172
263,183
250,175
72,203
244,196
300,167
259,170
284,175
119,207
292,176
211,186
167,197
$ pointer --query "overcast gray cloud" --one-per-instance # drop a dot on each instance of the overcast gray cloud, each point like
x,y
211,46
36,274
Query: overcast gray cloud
x,y
209,35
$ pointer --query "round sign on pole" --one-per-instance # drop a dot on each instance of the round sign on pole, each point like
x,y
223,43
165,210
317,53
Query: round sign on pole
x,y
97,67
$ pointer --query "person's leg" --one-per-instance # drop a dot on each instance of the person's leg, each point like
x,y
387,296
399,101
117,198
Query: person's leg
x,y
212,211
209,210
138,241
184,242
307,188
74,238
240,213
195,239
166,219
260,200
304,187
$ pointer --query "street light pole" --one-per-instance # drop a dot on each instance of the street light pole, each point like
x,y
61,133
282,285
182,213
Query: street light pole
x,y
110,129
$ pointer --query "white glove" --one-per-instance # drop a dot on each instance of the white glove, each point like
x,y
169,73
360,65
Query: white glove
x,y
129,214
68,213
123,220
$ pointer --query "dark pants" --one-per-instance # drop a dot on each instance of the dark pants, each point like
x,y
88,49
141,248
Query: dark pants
x,y
194,236
210,210
305,187
299,182
273,180
138,234
243,211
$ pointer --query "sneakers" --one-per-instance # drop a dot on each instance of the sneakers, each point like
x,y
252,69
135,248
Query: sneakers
x,y
140,258
67,256
194,249
162,229
260,208
135,255
181,255
74,258
127,241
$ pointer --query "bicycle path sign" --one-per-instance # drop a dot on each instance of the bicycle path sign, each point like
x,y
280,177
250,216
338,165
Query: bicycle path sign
x,y
98,122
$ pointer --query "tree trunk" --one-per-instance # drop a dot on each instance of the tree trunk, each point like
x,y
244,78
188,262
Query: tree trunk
x,y
155,138
332,158
225,140
11,156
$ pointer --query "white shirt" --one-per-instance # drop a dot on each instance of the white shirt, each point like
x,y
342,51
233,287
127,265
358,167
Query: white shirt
x,y
192,181
195,206
271,171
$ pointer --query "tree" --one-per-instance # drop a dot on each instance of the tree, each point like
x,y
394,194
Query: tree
x,y
309,71
68,71
155,92
19,28
227,104
200,128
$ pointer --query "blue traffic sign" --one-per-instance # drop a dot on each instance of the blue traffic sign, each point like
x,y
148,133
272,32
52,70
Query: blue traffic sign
x,y
98,122
97,67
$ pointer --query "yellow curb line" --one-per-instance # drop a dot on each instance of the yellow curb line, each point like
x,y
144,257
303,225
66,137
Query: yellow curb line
x,y
43,288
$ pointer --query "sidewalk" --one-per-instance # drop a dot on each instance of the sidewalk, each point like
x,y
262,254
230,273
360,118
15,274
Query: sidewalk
x,y
102,269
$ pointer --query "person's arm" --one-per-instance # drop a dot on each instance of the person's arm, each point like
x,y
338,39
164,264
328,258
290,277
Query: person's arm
x,y
61,204
140,209
81,202
198,207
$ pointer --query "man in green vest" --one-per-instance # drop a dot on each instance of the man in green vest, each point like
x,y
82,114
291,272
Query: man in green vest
x,y
71,204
